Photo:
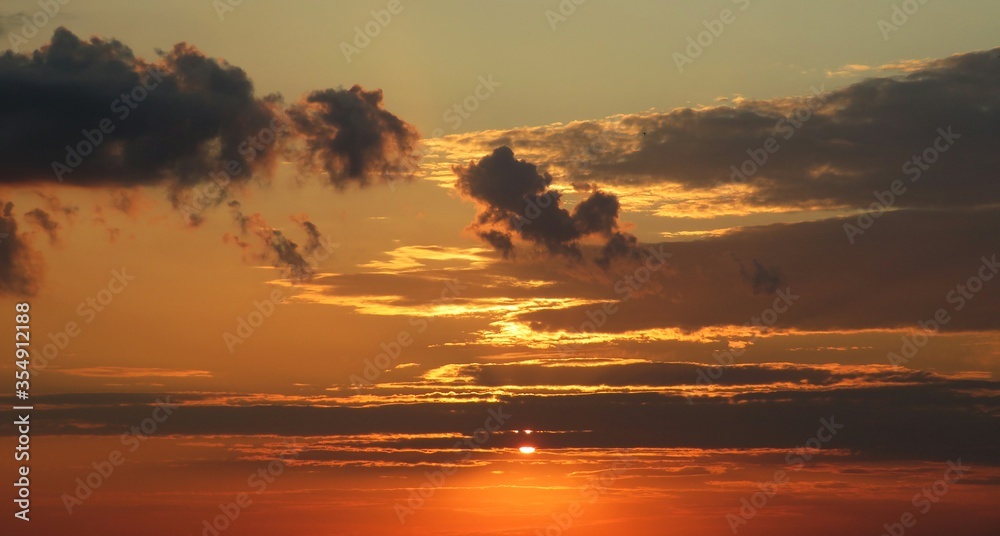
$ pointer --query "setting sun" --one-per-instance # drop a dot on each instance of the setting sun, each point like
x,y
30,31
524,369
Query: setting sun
x,y
527,450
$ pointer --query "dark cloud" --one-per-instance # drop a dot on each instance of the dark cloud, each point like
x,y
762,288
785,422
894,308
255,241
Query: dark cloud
x,y
855,143
313,235
781,408
90,113
56,206
176,120
349,135
515,198
905,268
43,221
272,245
619,246
831,150
562,372
502,181
764,280
124,201
500,242
20,264
598,214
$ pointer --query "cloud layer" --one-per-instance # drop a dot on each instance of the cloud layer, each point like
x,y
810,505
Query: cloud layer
x,y
934,128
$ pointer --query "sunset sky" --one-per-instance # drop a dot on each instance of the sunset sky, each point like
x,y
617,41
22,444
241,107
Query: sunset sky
x,y
503,268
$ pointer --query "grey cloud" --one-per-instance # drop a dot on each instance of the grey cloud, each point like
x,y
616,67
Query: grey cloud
x,y
272,245
350,135
516,200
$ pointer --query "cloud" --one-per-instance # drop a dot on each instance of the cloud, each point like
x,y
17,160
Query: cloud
x,y
313,236
619,245
905,268
515,198
20,264
56,206
417,258
90,113
834,149
858,141
43,221
502,181
134,372
172,121
764,280
766,407
10,22
904,66
176,120
114,233
597,214
126,202
351,137
615,373
500,241
272,244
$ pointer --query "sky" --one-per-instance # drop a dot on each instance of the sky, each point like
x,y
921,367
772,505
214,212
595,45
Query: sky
x,y
501,268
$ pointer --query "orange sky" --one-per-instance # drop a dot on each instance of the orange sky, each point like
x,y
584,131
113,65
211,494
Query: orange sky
x,y
259,305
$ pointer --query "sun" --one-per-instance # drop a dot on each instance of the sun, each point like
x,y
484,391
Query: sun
x,y
527,450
